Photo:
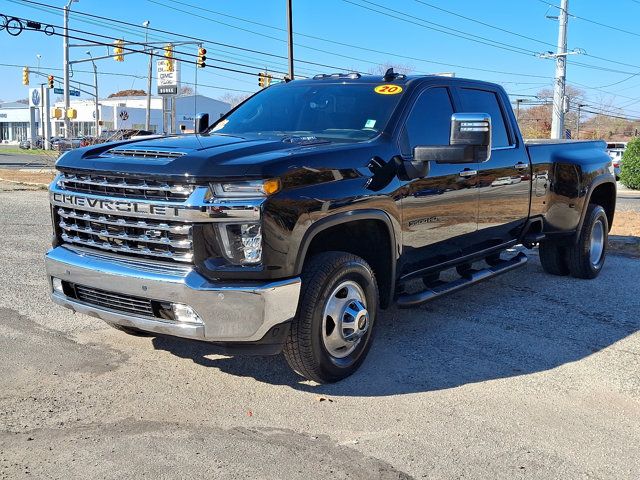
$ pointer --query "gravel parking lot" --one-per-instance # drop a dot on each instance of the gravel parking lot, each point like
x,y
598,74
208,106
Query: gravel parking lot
x,y
525,376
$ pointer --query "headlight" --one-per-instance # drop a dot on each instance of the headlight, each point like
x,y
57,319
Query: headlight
x,y
242,243
246,189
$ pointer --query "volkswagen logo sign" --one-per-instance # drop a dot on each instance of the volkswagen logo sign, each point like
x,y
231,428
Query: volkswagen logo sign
x,y
124,115
35,97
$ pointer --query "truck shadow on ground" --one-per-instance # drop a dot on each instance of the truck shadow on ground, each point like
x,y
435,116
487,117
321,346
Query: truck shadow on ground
x,y
521,323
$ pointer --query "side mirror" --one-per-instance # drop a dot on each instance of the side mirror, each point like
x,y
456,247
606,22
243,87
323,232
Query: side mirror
x,y
469,142
201,123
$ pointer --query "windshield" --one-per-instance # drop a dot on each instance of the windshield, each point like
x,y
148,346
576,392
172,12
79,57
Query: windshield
x,y
337,112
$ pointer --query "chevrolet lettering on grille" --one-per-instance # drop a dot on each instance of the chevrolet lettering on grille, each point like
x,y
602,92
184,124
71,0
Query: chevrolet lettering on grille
x,y
112,206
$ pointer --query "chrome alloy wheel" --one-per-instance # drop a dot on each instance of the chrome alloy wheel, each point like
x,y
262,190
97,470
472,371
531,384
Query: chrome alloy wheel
x,y
345,319
597,242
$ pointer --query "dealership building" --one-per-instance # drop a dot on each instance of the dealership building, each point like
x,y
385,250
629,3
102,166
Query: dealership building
x,y
19,120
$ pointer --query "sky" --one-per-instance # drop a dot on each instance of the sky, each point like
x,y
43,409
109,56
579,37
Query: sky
x,y
493,40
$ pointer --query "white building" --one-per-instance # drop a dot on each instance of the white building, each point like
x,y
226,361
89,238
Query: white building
x,y
114,114
15,120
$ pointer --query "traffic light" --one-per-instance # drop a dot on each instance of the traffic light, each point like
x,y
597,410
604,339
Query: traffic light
x,y
168,54
264,79
50,80
25,76
118,50
202,57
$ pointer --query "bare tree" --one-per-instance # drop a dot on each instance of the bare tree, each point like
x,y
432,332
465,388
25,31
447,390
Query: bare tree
x,y
397,67
234,99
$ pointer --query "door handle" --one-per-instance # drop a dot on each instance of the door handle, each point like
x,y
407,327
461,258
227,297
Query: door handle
x,y
468,173
521,166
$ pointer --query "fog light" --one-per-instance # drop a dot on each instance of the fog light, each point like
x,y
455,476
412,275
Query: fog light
x,y
57,285
185,314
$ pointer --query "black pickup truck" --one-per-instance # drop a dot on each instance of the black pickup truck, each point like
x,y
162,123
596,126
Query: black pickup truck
x,y
287,224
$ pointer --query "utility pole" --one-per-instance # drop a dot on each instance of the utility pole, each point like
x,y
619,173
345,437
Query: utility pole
x,y
290,28
557,122
65,61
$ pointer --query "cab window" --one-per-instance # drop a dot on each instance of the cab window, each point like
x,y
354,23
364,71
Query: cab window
x,y
429,122
484,101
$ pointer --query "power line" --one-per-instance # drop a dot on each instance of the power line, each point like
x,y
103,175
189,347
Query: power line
x,y
635,34
118,74
474,20
180,35
439,28
342,44
129,49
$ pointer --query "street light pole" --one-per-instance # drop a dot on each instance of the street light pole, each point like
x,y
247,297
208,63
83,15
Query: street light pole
x,y
95,80
147,123
290,29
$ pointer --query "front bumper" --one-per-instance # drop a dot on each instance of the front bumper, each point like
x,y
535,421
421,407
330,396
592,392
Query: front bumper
x,y
230,312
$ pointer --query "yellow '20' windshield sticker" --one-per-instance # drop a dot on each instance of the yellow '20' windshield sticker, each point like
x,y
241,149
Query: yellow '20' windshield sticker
x,y
388,89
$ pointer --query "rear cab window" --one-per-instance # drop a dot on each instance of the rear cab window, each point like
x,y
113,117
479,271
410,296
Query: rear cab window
x,y
476,100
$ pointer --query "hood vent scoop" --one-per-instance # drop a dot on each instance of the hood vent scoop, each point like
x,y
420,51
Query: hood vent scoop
x,y
142,153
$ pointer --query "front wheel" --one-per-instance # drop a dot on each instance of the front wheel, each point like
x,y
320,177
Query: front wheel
x,y
332,332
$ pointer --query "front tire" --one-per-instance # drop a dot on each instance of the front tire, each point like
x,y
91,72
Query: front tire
x,y
332,332
586,258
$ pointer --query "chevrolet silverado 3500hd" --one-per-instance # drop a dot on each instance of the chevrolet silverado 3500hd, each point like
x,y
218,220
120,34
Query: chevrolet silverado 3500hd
x,y
287,224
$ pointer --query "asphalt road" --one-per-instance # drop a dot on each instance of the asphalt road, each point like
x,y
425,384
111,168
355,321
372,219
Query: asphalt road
x,y
524,376
26,160
627,199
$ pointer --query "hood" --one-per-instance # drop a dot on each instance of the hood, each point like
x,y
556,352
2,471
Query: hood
x,y
184,156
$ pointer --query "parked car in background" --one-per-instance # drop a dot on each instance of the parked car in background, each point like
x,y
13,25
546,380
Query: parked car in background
x,y
63,144
26,144
615,151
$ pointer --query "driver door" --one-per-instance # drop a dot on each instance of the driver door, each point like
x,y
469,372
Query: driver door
x,y
439,211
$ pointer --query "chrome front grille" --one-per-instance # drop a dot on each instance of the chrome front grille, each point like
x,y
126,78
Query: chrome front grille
x,y
126,235
114,301
123,187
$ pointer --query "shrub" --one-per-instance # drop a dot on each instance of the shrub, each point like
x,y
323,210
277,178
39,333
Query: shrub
x,y
630,168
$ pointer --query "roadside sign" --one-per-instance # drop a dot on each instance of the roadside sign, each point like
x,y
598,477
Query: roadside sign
x,y
34,97
60,91
168,81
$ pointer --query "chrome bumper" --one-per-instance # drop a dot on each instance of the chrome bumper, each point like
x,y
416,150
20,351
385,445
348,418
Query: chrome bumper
x,y
230,312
